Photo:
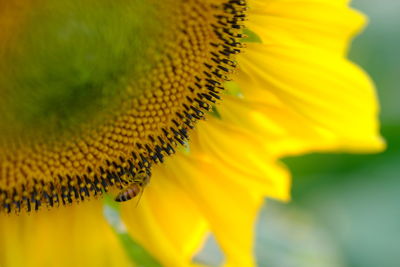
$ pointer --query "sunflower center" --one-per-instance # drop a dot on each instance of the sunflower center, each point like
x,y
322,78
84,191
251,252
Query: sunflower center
x,y
68,62
93,92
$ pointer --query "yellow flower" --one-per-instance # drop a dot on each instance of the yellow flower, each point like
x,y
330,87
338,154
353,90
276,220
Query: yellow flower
x,y
293,92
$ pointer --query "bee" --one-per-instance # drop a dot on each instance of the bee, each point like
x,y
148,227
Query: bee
x,y
135,186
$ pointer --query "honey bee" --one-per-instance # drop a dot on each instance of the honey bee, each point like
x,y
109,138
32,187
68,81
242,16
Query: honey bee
x,y
135,186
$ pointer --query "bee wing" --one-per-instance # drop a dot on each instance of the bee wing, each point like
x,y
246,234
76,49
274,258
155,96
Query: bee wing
x,y
140,195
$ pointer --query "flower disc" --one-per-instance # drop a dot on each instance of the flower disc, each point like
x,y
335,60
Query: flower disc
x,y
95,91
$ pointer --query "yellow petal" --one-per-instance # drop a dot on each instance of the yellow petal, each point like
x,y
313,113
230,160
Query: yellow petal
x,y
324,24
73,236
319,90
230,209
193,190
166,222
228,176
242,156
282,136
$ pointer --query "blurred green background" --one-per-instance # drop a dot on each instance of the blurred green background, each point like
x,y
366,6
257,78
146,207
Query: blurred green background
x,y
346,208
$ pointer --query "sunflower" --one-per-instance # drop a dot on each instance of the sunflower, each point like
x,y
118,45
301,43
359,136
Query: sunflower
x,y
104,96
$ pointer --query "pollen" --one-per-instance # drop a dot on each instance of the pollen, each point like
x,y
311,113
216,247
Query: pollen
x,y
63,154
